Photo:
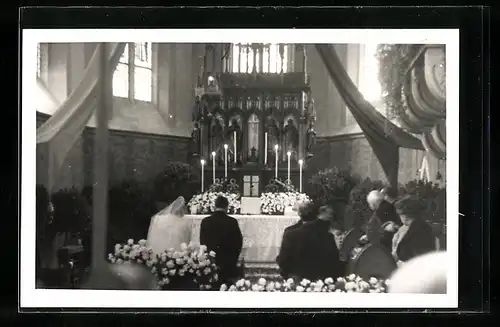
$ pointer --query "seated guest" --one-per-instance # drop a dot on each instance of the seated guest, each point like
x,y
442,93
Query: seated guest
x,y
415,237
306,212
310,250
221,233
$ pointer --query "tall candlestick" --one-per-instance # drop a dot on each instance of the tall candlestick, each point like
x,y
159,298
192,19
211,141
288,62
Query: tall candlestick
x,y
265,148
288,176
202,175
276,164
213,167
300,175
235,152
225,161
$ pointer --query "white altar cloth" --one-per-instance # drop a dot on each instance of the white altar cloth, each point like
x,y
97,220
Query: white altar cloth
x,y
261,234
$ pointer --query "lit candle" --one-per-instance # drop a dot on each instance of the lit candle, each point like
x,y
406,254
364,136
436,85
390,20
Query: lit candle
x,y
202,175
235,152
288,176
213,167
276,164
225,161
300,175
265,148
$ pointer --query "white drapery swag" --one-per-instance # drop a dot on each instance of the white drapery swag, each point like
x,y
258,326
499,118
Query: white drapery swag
x,y
56,136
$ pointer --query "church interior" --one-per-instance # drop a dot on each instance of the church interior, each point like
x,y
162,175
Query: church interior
x,y
184,119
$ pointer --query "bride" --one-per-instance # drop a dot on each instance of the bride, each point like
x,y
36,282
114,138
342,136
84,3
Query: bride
x,y
168,229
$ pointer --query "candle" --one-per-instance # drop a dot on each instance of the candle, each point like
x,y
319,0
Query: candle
x,y
225,161
288,176
235,152
213,167
265,148
300,175
276,164
202,175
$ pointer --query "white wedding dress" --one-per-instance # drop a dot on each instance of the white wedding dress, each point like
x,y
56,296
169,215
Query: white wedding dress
x,y
168,229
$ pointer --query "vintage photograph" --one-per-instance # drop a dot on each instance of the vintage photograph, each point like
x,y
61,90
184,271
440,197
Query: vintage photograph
x,y
272,163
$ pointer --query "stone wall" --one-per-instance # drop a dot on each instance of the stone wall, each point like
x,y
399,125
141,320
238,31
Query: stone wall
x,y
132,155
353,153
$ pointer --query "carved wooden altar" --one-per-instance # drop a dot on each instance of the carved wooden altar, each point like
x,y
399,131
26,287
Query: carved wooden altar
x,y
243,111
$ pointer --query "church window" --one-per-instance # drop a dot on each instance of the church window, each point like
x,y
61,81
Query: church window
x,y
133,76
369,84
263,58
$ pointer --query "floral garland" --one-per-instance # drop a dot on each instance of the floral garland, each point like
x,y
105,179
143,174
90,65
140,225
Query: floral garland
x,y
275,203
205,203
394,59
190,268
349,284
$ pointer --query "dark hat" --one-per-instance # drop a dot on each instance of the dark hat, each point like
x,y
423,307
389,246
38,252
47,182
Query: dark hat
x,y
410,205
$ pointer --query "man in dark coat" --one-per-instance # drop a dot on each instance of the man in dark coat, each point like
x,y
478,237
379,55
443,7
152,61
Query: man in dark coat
x,y
388,216
221,233
310,251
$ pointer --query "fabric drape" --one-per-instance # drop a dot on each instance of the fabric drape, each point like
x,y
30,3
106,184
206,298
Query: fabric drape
x,y
58,134
384,137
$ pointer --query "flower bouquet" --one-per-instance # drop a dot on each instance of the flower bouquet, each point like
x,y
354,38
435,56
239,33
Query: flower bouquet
x,y
190,268
349,284
275,203
205,203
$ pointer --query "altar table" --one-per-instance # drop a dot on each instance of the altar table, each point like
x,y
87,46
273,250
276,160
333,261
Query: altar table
x,y
261,234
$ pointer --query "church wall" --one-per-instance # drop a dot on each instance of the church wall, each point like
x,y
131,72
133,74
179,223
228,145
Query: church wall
x,y
132,155
143,136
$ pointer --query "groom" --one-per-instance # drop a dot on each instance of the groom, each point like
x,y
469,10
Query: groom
x,y
221,233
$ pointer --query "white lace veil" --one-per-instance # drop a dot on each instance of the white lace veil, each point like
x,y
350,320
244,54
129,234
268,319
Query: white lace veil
x,y
176,208
160,228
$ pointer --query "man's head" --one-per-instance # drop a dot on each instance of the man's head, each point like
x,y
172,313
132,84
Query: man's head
x,y
308,211
409,208
374,198
326,213
390,193
221,203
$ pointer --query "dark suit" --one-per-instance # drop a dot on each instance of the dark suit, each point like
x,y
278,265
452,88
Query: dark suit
x,y
418,240
309,252
221,233
286,231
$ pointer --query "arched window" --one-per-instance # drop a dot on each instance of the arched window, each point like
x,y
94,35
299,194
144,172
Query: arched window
x,y
133,76
266,56
369,84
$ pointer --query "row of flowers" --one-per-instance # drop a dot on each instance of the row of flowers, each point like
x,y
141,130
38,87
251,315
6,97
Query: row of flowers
x,y
271,203
191,267
204,203
349,284
275,203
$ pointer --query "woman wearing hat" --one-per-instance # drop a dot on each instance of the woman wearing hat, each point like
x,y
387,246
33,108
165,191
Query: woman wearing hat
x,y
415,237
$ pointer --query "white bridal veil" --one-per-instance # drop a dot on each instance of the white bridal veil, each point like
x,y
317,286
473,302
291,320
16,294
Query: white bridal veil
x,y
167,228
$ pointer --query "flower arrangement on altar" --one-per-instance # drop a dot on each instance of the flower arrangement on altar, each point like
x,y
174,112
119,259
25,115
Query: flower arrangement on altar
x,y
275,203
204,203
192,267
349,284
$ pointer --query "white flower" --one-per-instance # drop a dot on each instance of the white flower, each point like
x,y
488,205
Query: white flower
x,y
119,261
290,281
183,246
212,254
203,248
153,270
117,247
142,242
170,264
305,282
240,283
113,260
255,288
110,256
223,288
329,280
247,283
350,286
172,272
351,277
130,242
179,261
270,287
261,282
232,288
207,271
139,261
149,263
373,281
299,289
